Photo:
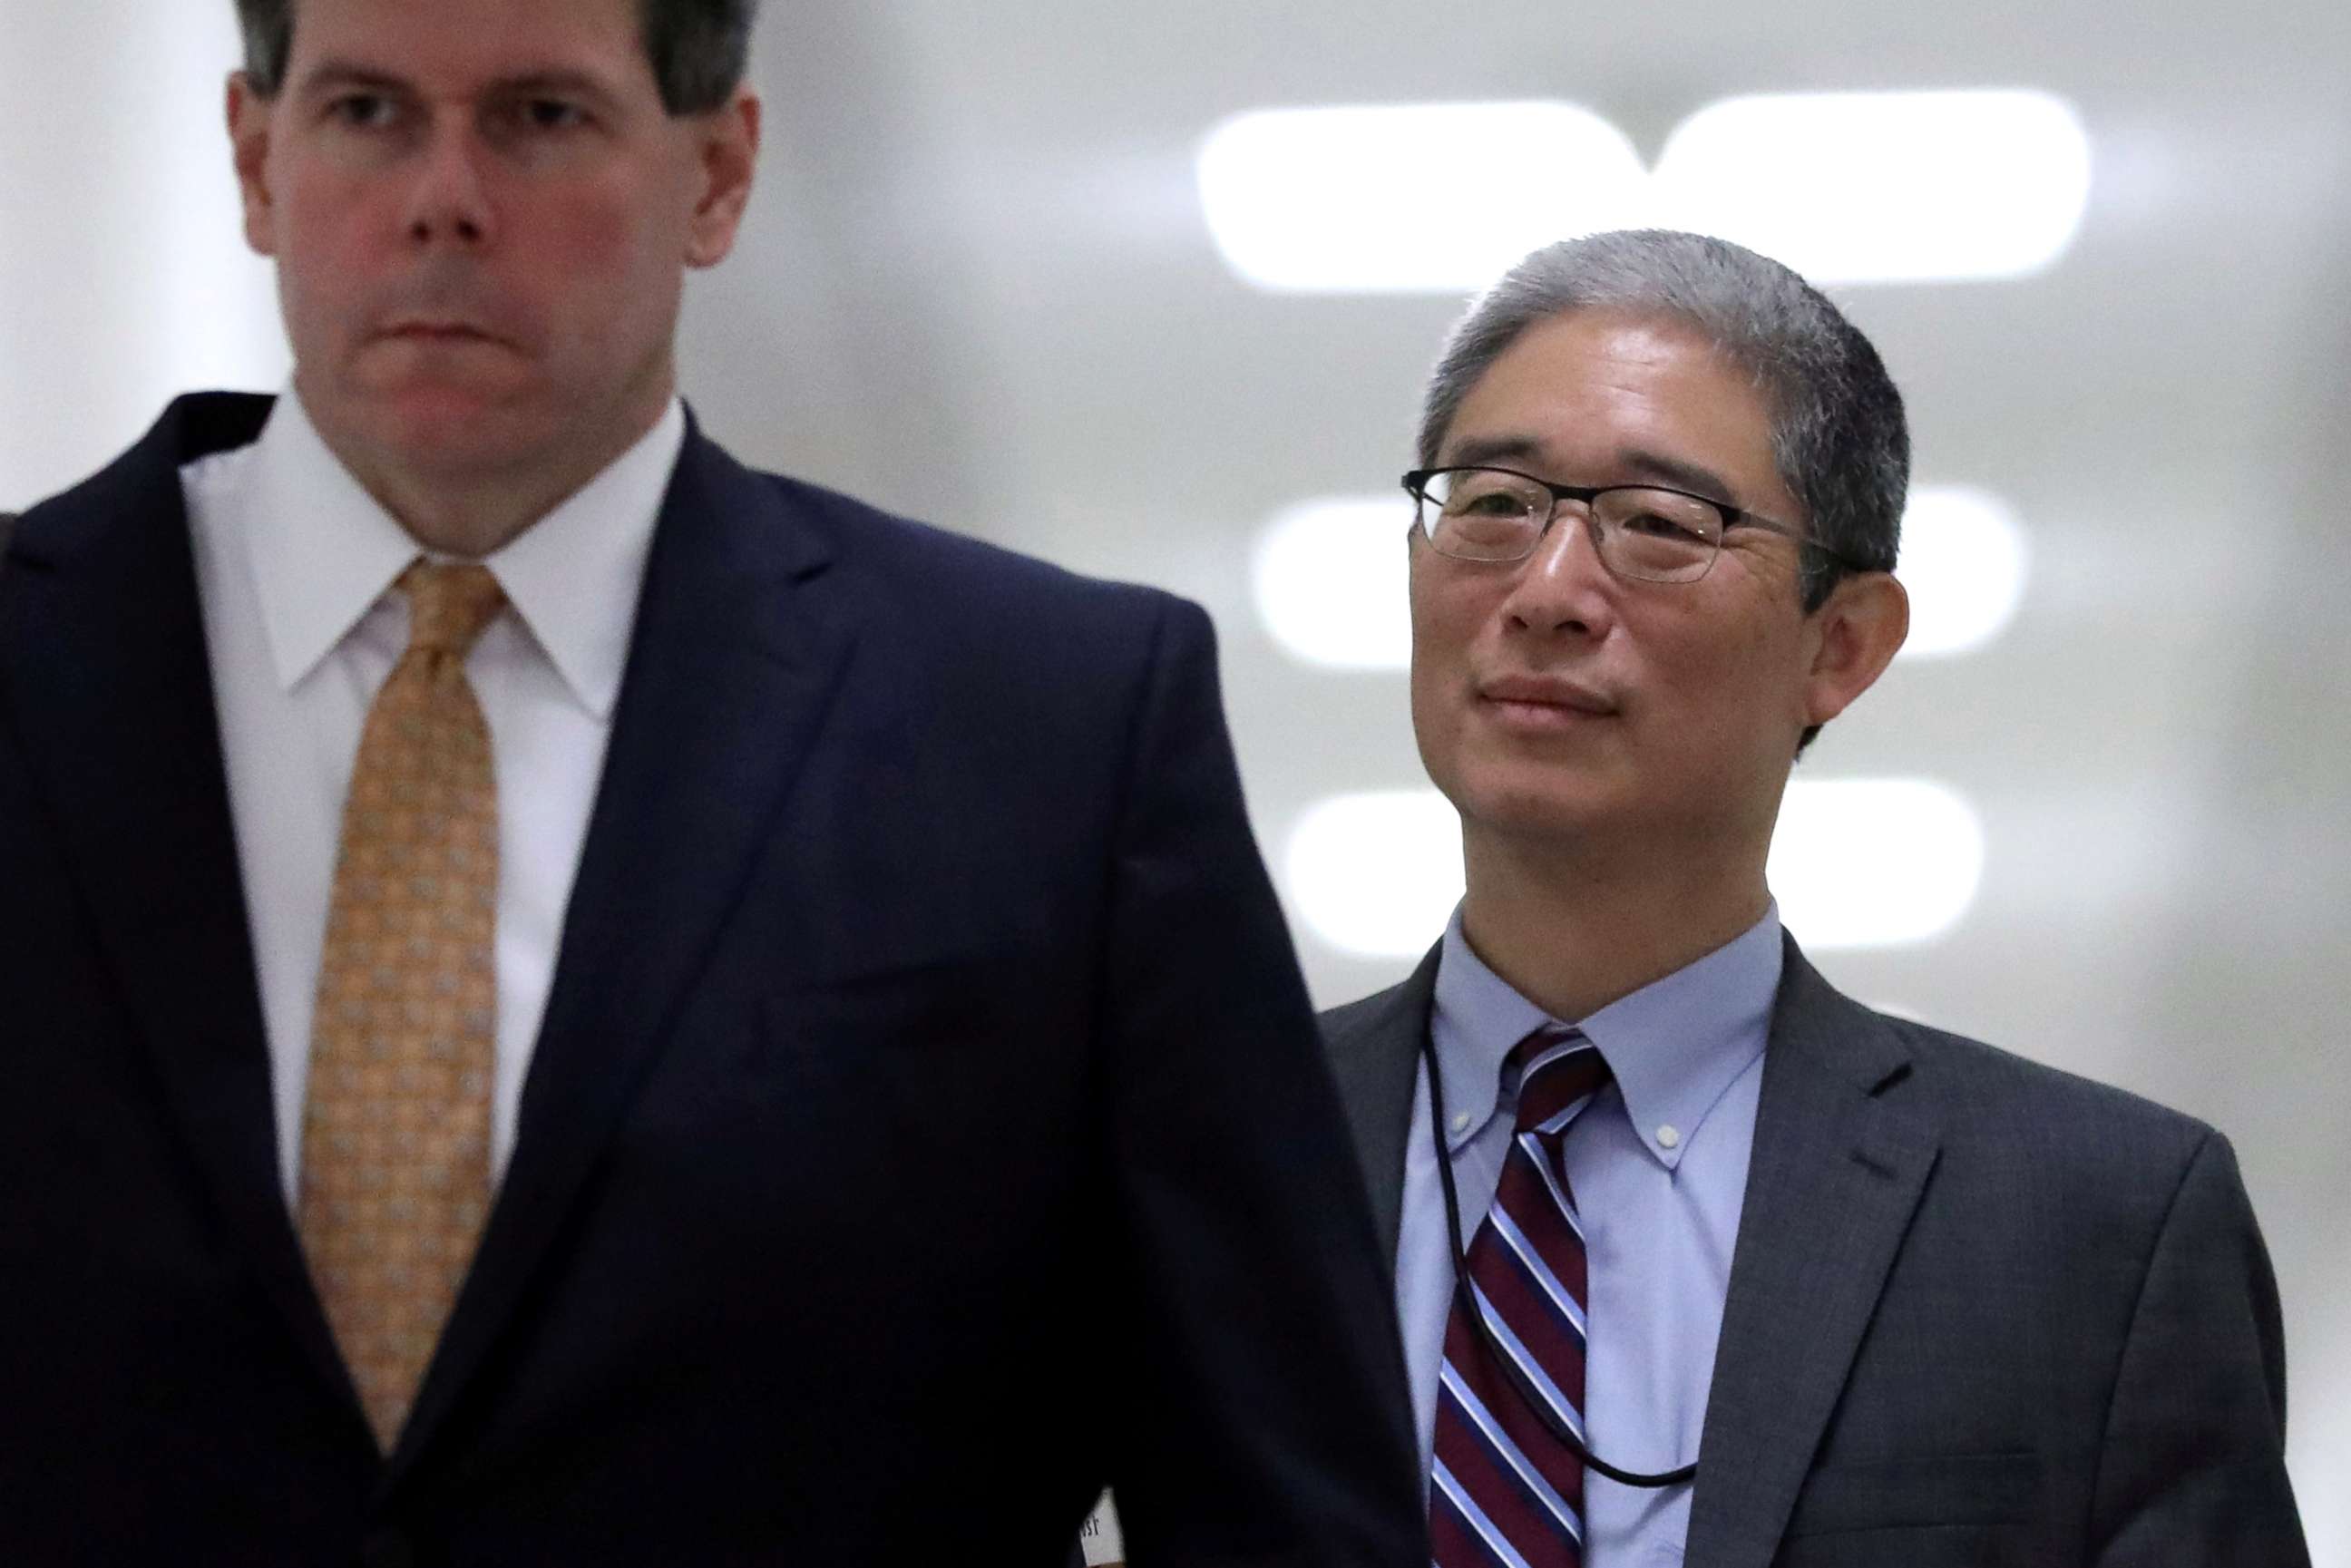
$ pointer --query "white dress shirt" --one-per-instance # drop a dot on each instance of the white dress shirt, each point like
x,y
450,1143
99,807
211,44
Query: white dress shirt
x,y
295,564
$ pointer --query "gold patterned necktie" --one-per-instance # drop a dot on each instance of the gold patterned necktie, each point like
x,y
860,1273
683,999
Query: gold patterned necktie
x,y
395,1179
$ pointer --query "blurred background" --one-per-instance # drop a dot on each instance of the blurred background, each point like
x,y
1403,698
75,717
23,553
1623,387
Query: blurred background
x,y
1125,288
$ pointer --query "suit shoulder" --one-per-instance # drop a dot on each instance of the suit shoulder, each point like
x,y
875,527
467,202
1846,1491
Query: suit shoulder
x,y
2004,1097
1397,1014
1349,1019
139,486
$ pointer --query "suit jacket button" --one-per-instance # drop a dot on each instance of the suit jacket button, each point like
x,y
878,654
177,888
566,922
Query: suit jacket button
x,y
387,1549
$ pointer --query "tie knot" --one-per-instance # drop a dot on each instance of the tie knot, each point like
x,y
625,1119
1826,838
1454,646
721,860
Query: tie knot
x,y
1557,1069
448,605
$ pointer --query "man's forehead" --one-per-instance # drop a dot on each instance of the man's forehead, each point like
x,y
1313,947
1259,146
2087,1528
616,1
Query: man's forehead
x,y
458,43
1603,342
1592,395
1588,372
1627,460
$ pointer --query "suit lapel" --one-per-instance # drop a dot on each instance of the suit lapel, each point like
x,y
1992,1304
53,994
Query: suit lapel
x,y
1839,1163
740,642
1374,1047
107,669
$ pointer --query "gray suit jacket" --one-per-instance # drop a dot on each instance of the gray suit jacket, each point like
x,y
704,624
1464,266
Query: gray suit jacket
x,y
1980,1312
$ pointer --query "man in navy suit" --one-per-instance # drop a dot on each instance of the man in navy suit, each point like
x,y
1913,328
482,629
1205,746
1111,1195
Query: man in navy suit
x,y
893,1023
1755,1276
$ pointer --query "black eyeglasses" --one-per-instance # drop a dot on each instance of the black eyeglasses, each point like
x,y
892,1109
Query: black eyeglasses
x,y
1647,532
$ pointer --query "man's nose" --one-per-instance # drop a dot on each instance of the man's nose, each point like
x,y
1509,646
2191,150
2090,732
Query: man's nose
x,y
449,202
1564,587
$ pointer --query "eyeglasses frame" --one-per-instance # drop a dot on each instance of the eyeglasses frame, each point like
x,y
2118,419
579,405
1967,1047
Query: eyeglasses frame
x,y
1415,482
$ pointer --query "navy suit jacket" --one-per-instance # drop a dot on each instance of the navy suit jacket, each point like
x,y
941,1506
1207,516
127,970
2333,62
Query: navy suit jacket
x,y
925,1046
1982,1314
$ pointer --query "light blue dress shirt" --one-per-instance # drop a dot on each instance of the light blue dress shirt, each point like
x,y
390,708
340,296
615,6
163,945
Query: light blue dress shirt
x,y
1658,1166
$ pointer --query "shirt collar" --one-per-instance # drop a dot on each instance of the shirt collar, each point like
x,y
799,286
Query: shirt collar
x,y
321,549
1673,1046
323,552
1476,1019
574,576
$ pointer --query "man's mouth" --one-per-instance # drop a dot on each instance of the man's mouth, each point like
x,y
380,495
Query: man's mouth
x,y
427,329
1550,699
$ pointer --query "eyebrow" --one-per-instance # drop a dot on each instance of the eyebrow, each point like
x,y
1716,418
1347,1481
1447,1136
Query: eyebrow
x,y
555,82
1494,448
1646,466
335,76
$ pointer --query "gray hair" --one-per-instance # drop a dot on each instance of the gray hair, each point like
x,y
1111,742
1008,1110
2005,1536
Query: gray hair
x,y
698,49
1838,435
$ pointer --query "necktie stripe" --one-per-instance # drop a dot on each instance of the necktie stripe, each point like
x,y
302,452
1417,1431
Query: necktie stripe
x,y
1473,1520
1561,1203
1552,1081
1540,1060
1506,1505
1537,1486
1551,1126
1504,1501
1529,1367
1553,1293
1515,1314
1452,1541
1458,1441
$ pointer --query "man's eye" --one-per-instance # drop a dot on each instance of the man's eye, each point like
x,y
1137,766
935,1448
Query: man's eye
x,y
362,110
552,114
1483,496
1657,526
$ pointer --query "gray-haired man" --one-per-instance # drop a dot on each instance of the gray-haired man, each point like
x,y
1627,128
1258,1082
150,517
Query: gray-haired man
x,y
1898,1297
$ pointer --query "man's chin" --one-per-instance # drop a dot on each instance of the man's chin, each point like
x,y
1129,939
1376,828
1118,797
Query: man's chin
x,y
1543,804
1528,818
453,432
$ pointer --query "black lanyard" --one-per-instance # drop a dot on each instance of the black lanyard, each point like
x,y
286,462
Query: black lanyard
x,y
1466,1302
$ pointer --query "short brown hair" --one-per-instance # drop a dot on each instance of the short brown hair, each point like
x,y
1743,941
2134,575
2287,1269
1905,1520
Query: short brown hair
x,y
698,49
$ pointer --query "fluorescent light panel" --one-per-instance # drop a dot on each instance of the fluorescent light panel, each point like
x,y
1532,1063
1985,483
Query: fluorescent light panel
x,y
1965,558
1375,874
1329,577
1409,198
1885,187
1858,863
1875,863
1848,187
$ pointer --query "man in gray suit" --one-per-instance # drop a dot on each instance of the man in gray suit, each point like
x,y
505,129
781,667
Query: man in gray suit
x,y
1753,1275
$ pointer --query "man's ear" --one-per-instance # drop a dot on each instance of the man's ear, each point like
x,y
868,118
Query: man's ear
x,y
729,153
249,115
1855,636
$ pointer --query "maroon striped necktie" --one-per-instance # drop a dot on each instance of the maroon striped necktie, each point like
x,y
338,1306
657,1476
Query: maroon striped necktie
x,y
1504,1489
